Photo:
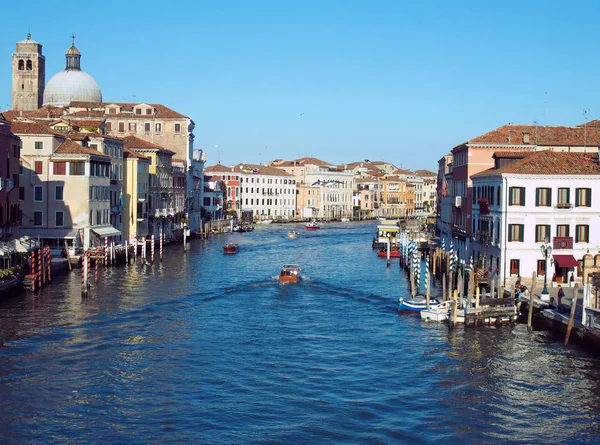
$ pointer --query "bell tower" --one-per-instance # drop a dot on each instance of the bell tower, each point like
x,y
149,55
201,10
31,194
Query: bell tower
x,y
28,75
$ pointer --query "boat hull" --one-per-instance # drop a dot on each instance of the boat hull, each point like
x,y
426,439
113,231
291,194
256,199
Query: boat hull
x,y
230,249
415,305
290,274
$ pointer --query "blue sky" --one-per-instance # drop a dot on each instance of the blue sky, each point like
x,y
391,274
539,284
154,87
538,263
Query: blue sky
x,y
339,80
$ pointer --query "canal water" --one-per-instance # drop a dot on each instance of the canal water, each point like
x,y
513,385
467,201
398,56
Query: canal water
x,y
209,348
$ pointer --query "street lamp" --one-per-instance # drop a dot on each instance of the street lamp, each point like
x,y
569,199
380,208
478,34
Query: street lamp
x,y
546,249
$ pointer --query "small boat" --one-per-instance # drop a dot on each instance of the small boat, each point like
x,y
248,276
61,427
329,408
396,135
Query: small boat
x,y
312,226
247,228
231,248
293,234
345,219
439,313
394,253
290,273
416,304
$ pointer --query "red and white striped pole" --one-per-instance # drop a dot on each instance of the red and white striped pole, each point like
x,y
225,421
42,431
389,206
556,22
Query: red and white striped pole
x,y
84,275
97,261
33,268
39,271
160,243
152,248
48,265
105,251
135,247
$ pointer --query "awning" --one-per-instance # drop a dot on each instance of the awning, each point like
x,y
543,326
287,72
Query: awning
x,y
34,232
106,231
565,260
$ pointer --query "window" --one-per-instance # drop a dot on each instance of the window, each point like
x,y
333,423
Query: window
x,y
22,193
59,168
146,127
38,193
158,127
132,127
138,111
563,198
39,167
37,218
562,230
121,127
515,232
541,267
39,145
109,126
59,192
543,197
21,65
148,111
583,197
542,232
59,218
177,128
515,266
516,196
582,233
112,111
77,168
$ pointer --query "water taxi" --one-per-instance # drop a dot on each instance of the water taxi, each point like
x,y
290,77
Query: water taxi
x,y
231,248
290,273
313,225
293,234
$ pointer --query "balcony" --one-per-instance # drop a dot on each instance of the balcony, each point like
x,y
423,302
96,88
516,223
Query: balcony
x,y
563,205
160,213
484,206
142,216
562,242
171,211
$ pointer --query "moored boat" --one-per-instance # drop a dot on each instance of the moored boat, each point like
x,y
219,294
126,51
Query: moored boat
x,y
394,253
439,313
247,228
313,225
416,304
290,273
231,248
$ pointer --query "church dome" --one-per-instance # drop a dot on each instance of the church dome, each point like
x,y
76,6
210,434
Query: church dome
x,y
72,84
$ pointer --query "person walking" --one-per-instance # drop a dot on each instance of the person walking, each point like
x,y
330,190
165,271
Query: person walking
x,y
561,294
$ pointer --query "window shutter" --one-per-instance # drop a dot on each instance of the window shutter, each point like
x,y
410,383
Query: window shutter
x,y
537,197
522,197
588,198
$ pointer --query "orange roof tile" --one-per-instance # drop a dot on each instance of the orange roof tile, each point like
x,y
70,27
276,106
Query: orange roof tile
x,y
133,142
260,170
22,127
548,162
71,147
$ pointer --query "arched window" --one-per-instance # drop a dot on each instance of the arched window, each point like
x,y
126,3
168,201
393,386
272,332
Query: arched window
x,y
29,65
21,65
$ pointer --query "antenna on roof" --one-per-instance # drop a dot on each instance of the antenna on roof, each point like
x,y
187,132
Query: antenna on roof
x,y
585,116
546,108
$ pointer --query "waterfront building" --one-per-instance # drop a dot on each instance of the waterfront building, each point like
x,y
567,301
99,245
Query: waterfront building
x,y
369,197
429,192
28,75
161,210
136,182
231,181
156,124
213,199
266,191
532,198
476,155
179,198
10,150
64,190
324,190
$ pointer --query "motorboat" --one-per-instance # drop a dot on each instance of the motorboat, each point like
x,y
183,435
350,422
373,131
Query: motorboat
x,y
394,253
439,313
416,304
293,234
290,273
247,228
231,248
313,225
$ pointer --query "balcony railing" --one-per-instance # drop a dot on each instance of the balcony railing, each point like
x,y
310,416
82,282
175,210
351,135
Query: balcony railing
x,y
564,205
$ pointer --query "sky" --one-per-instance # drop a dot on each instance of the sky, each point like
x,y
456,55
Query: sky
x,y
340,80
